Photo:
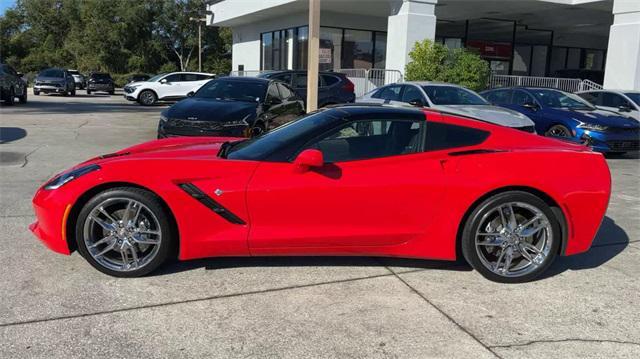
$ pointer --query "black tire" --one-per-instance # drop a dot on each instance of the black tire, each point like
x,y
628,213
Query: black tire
x,y
485,208
167,246
147,98
11,98
36,93
88,92
73,92
23,98
558,130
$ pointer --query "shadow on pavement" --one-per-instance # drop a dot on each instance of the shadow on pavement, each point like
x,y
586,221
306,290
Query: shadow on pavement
x,y
10,134
610,241
70,107
625,156
246,262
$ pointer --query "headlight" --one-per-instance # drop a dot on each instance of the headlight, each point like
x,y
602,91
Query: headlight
x,y
64,178
235,123
592,127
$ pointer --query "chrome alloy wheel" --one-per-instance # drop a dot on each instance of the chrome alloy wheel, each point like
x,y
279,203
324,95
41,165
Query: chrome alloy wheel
x,y
147,98
122,234
559,131
513,239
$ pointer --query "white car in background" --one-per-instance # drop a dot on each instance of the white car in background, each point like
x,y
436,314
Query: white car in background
x,y
626,103
78,78
449,98
166,87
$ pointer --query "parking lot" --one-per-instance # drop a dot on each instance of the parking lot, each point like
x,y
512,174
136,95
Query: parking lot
x,y
57,306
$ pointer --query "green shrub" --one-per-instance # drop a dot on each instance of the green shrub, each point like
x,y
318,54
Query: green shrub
x,y
435,62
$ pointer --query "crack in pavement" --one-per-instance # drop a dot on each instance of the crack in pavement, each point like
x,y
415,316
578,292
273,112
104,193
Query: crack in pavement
x,y
566,341
196,300
77,130
26,157
462,328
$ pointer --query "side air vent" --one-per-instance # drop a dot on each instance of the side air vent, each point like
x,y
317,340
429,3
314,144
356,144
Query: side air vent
x,y
202,197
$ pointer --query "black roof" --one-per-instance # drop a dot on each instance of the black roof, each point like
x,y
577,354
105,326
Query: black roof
x,y
244,79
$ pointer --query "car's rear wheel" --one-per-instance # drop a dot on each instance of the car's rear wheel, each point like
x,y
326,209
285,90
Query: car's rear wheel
x,y
511,237
73,91
124,232
147,98
88,92
36,92
558,131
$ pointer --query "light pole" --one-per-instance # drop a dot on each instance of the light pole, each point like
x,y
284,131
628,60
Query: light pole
x,y
199,20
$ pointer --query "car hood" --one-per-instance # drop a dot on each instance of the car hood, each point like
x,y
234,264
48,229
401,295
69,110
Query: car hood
x,y
201,109
188,148
489,113
137,83
599,117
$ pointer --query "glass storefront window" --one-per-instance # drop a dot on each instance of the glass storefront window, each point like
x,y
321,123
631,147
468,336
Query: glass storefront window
x,y
267,50
330,48
358,49
380,50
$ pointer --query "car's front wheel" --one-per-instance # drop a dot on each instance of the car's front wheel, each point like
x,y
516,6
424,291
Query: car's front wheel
x,y
558,131
23,98
124,232
147,98
11,97
511,237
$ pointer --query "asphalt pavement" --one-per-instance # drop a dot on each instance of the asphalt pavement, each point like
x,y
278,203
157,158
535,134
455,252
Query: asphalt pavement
x,y
55,306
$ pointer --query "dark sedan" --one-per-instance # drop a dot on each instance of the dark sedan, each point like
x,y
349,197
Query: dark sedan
x,y
99,81
232,106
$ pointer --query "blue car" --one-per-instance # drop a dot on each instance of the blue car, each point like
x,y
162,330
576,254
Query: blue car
x,y
561,114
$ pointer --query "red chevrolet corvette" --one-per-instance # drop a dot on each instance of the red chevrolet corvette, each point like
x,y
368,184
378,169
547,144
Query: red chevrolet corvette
x,y
353,180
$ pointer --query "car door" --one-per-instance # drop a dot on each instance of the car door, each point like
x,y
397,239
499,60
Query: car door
x,y
290,105
170,87
275,107
376,189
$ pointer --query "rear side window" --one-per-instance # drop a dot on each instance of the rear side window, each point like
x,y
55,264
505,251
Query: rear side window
x,y
329,80
441,136
591,97
190,77
502,97
286,78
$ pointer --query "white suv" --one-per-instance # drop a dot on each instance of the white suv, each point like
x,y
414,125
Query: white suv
x,y
166,87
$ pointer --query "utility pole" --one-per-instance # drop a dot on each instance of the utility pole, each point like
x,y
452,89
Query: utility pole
x,y
313,65
199,21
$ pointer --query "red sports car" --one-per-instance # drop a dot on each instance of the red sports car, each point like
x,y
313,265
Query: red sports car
x,y
353,180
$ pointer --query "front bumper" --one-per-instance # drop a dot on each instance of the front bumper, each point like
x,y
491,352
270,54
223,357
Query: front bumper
x,y
167,131
51,217
611,141
100,87
48,89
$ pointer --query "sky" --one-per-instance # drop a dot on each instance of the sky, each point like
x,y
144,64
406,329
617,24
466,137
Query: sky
x,y
5,4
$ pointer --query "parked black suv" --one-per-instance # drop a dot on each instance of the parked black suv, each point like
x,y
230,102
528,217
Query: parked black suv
x,y
100,81
334,88
11,85
54,80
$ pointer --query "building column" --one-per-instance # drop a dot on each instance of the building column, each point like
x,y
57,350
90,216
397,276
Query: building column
x,y
410,21
623,55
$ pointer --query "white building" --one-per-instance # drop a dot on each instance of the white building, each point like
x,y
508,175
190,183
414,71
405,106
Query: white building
x,y
518,37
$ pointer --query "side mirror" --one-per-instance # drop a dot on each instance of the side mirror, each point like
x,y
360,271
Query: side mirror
x,y
624,108
531,106
308,159
164,81
190,94
416,102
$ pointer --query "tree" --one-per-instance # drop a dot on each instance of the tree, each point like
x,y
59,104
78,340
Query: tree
x,y
178,32
435,62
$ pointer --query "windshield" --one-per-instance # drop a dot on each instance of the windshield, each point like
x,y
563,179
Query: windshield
x,y
634,96
451,95
257,148
559,99
52,73
101,76
157,77
248,91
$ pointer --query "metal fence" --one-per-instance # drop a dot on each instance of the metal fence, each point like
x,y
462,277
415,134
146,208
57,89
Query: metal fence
x,y
569,85
363,79
369,80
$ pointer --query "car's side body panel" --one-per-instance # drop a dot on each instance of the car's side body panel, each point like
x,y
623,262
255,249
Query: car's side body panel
x,y
407,206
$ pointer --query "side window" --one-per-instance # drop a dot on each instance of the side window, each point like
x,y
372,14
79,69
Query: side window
x,y
328,80
190,77
285,93
174,78
390,93
204,77
286,78
442,136
300,81
272,92
411,93
500,97
591,97
613,100
362,140
521,98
